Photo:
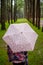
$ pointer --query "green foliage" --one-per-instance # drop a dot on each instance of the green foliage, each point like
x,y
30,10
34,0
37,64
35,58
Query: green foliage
x,y
41,18
20,3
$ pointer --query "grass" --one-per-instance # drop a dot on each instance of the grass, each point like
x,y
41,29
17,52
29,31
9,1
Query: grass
x,y
41,18
35,57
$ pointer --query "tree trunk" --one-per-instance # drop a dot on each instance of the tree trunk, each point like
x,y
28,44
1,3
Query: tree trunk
x,y
33,12
28,9
3,14
11,10
25,9
42,28
8,16
38,14
15,10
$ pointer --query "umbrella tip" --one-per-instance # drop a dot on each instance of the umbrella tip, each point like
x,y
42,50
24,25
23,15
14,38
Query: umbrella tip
x,y
21,32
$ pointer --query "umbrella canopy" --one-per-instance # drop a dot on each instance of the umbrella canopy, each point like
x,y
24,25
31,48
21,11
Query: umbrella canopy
x,y
20,37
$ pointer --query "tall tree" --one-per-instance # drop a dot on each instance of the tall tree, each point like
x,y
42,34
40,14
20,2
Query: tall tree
x,y
25,8
38,14
15,10
0,11
28,9
11,9
3,14
8,10
33,12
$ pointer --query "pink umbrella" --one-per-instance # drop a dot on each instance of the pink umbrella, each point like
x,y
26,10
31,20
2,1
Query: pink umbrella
x,y
20,37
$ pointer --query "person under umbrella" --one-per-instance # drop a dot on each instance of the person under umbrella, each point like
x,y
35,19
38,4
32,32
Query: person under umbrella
x,y
20,37
19,58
